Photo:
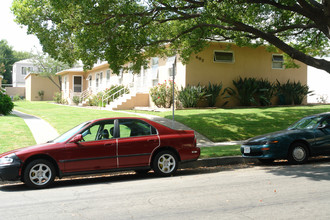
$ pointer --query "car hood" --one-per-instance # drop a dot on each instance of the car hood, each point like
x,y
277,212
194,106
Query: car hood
x,y
273,135
30,148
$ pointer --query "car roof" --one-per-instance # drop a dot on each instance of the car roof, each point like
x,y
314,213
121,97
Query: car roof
x,y
113,118
320,114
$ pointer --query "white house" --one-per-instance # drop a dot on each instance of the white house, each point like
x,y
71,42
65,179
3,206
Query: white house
x,y
20,70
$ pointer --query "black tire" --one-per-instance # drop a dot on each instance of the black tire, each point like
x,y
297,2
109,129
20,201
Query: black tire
x,y
266,161
165,163
298,153
39,174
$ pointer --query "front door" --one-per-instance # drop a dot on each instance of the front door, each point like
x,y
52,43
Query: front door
x,y
97,151
77,84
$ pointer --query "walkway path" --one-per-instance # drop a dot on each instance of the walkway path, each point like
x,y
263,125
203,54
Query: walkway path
x,y
41,130
202,141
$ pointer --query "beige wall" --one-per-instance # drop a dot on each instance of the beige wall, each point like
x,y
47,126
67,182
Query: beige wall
x,y
248,62
12,91
35,83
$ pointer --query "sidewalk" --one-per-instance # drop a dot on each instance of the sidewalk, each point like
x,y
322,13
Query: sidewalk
x,y
41,130
202,141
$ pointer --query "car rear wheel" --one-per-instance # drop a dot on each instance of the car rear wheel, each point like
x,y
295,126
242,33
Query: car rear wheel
x,y
298,153
165,163
39,174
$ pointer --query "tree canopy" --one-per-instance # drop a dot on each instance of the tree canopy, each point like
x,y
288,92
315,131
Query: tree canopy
x,y
122,31
48,67
8,57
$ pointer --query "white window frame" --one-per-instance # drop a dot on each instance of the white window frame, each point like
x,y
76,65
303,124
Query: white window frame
x,y
223,61
276,62
82,83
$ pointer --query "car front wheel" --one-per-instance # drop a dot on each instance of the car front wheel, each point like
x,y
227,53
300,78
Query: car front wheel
x,y
298,153
165,163
39,174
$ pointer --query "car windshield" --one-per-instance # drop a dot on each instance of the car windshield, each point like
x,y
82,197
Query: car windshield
x,y
69,133
306,123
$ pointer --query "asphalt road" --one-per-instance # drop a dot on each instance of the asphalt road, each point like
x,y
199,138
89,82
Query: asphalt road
x,y
250,191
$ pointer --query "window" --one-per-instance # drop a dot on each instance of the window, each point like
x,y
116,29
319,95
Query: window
x,y
101,77
223,57
102,131
65,80
108,75
90,80
277,62
134,128
154,61
77,84
26,70
97,80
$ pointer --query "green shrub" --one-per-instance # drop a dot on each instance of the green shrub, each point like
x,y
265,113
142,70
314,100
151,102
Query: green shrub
x,y
58,98
191,95
162,94
291,92
6,105
16,98
96,100
76,100
212,93
246,90
265,92
41,94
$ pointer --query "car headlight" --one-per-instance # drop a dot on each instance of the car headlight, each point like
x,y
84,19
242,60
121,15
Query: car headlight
x,y
6,160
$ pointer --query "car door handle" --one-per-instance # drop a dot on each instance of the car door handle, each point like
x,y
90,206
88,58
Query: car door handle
x,y
152,140
110,144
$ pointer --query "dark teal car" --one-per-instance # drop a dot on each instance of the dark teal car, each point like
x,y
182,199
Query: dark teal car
x,y
309,136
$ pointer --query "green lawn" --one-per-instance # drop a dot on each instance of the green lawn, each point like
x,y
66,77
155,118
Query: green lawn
x,y
63,117
240,124
14,133
220,151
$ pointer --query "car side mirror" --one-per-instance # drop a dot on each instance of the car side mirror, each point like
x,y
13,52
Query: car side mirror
x,y
76,138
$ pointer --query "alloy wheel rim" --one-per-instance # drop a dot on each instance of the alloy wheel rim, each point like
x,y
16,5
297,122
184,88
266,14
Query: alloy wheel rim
x,y
40,174
166,163
299,153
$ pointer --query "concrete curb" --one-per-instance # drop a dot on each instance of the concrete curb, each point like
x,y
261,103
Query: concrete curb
x,y
217,161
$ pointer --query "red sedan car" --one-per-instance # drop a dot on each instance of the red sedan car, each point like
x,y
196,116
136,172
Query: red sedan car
x,y
102,145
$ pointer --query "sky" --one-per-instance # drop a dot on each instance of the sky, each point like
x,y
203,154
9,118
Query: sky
x,y
15,35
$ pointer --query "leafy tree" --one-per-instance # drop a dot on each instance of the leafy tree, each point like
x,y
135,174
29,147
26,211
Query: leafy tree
x,y
7,60
48,67
122,31
8,57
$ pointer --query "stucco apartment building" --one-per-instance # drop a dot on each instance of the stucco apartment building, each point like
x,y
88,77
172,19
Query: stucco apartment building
x,y
214,64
